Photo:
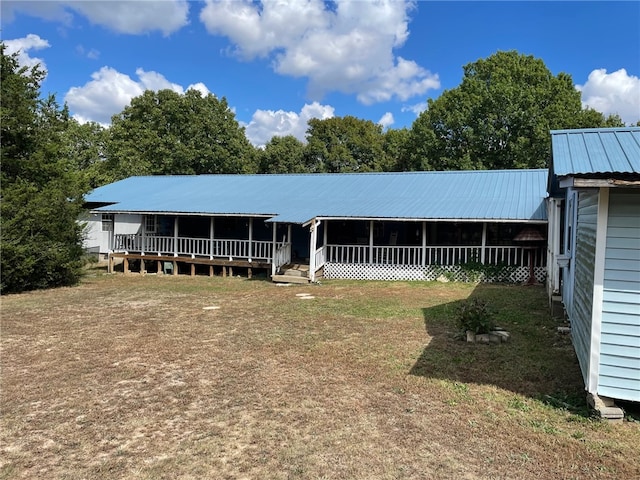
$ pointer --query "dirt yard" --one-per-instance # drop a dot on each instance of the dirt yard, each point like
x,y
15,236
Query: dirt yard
x,y
148,377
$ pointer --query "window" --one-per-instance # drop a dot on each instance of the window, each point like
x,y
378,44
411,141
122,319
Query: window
x,y
107,222
150,224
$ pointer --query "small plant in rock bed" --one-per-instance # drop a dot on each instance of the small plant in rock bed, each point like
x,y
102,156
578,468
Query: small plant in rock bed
x,y
475,316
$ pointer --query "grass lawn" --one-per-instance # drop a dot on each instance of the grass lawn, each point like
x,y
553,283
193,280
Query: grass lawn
x,y
131,377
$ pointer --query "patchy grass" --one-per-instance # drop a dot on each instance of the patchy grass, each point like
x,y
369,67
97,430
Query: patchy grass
x,y
131,377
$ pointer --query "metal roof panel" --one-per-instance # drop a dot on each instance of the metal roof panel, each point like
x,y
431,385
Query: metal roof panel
x,y
596,151
297,198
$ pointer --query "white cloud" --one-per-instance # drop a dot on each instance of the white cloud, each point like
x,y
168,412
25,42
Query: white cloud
x,y
201,87
109,91
387,120
91,54
416,108
22,46
613,93
266,124
347,49
131,17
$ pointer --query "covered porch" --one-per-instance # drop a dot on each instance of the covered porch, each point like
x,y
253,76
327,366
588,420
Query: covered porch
x,y
331,248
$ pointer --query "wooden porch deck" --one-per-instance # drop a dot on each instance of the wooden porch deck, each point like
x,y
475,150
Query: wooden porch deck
x,y
169,264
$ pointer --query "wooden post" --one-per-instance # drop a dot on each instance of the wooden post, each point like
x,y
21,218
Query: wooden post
x,y
174,271
211,233
370,241
175,237
224,271
159,266
312,249
274,247
110,264
250,238
424,244
484,243
143,237
230,271
249,273
193,269
125,264
211,270
143,268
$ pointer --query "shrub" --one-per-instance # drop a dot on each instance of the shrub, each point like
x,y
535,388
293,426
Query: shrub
x,y
475,316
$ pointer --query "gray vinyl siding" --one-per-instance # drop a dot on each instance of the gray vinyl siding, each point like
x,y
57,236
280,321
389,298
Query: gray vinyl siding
x,y
584,263
620,339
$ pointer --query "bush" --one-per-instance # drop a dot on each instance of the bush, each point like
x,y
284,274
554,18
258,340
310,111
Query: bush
x,y
475,316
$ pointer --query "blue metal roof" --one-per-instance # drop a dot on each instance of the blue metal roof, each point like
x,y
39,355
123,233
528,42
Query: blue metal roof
x,y
501,195
596,151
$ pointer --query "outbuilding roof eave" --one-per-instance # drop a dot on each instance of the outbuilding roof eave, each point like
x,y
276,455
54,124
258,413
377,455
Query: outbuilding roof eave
x,y
274,218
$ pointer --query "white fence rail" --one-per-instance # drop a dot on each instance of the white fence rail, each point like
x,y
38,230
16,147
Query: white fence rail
x,y
195,247
346,254
434,255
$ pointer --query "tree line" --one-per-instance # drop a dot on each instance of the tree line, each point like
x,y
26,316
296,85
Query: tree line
x,y
499,117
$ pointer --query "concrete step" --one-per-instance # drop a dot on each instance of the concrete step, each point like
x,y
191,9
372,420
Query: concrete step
x,y
289,279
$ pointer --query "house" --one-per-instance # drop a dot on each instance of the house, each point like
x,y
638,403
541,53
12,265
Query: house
x,y
380,226
594,187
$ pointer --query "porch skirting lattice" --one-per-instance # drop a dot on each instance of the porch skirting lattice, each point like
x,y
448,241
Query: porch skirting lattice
x,y
353,271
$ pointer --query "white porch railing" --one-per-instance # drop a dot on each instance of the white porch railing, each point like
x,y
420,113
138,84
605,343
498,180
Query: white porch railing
x,y
351,254
433,255
282,255
200,247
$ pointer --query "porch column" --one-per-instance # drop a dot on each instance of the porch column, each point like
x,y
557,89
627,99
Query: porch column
x,y
370,241
250,238
484,242
143,234
312,249
211,234
424,244
274,248
175,237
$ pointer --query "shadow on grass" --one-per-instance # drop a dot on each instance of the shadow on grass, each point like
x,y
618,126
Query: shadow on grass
x,y
537,362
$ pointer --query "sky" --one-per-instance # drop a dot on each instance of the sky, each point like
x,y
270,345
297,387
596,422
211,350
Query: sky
x,y
279,63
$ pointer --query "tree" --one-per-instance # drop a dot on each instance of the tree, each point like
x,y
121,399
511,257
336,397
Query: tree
x,y
170,133
345,144
282,155
87,152
499,117
41,193
395,149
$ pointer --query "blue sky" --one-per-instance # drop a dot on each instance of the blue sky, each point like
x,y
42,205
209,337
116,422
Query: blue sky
x,y
280,63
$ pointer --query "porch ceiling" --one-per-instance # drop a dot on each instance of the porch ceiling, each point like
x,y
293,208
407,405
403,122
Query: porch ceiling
x,y
498,195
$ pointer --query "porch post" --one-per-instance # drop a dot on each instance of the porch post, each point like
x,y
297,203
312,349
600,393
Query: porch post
x,y
424,243
370,241
143,234
274,248
312,250
175,236
484,242
211,233
250,238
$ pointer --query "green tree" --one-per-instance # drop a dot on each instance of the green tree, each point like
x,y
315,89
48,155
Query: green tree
x,y
282,155
41,192
87,151
170,133
499,117
344,144
395,149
